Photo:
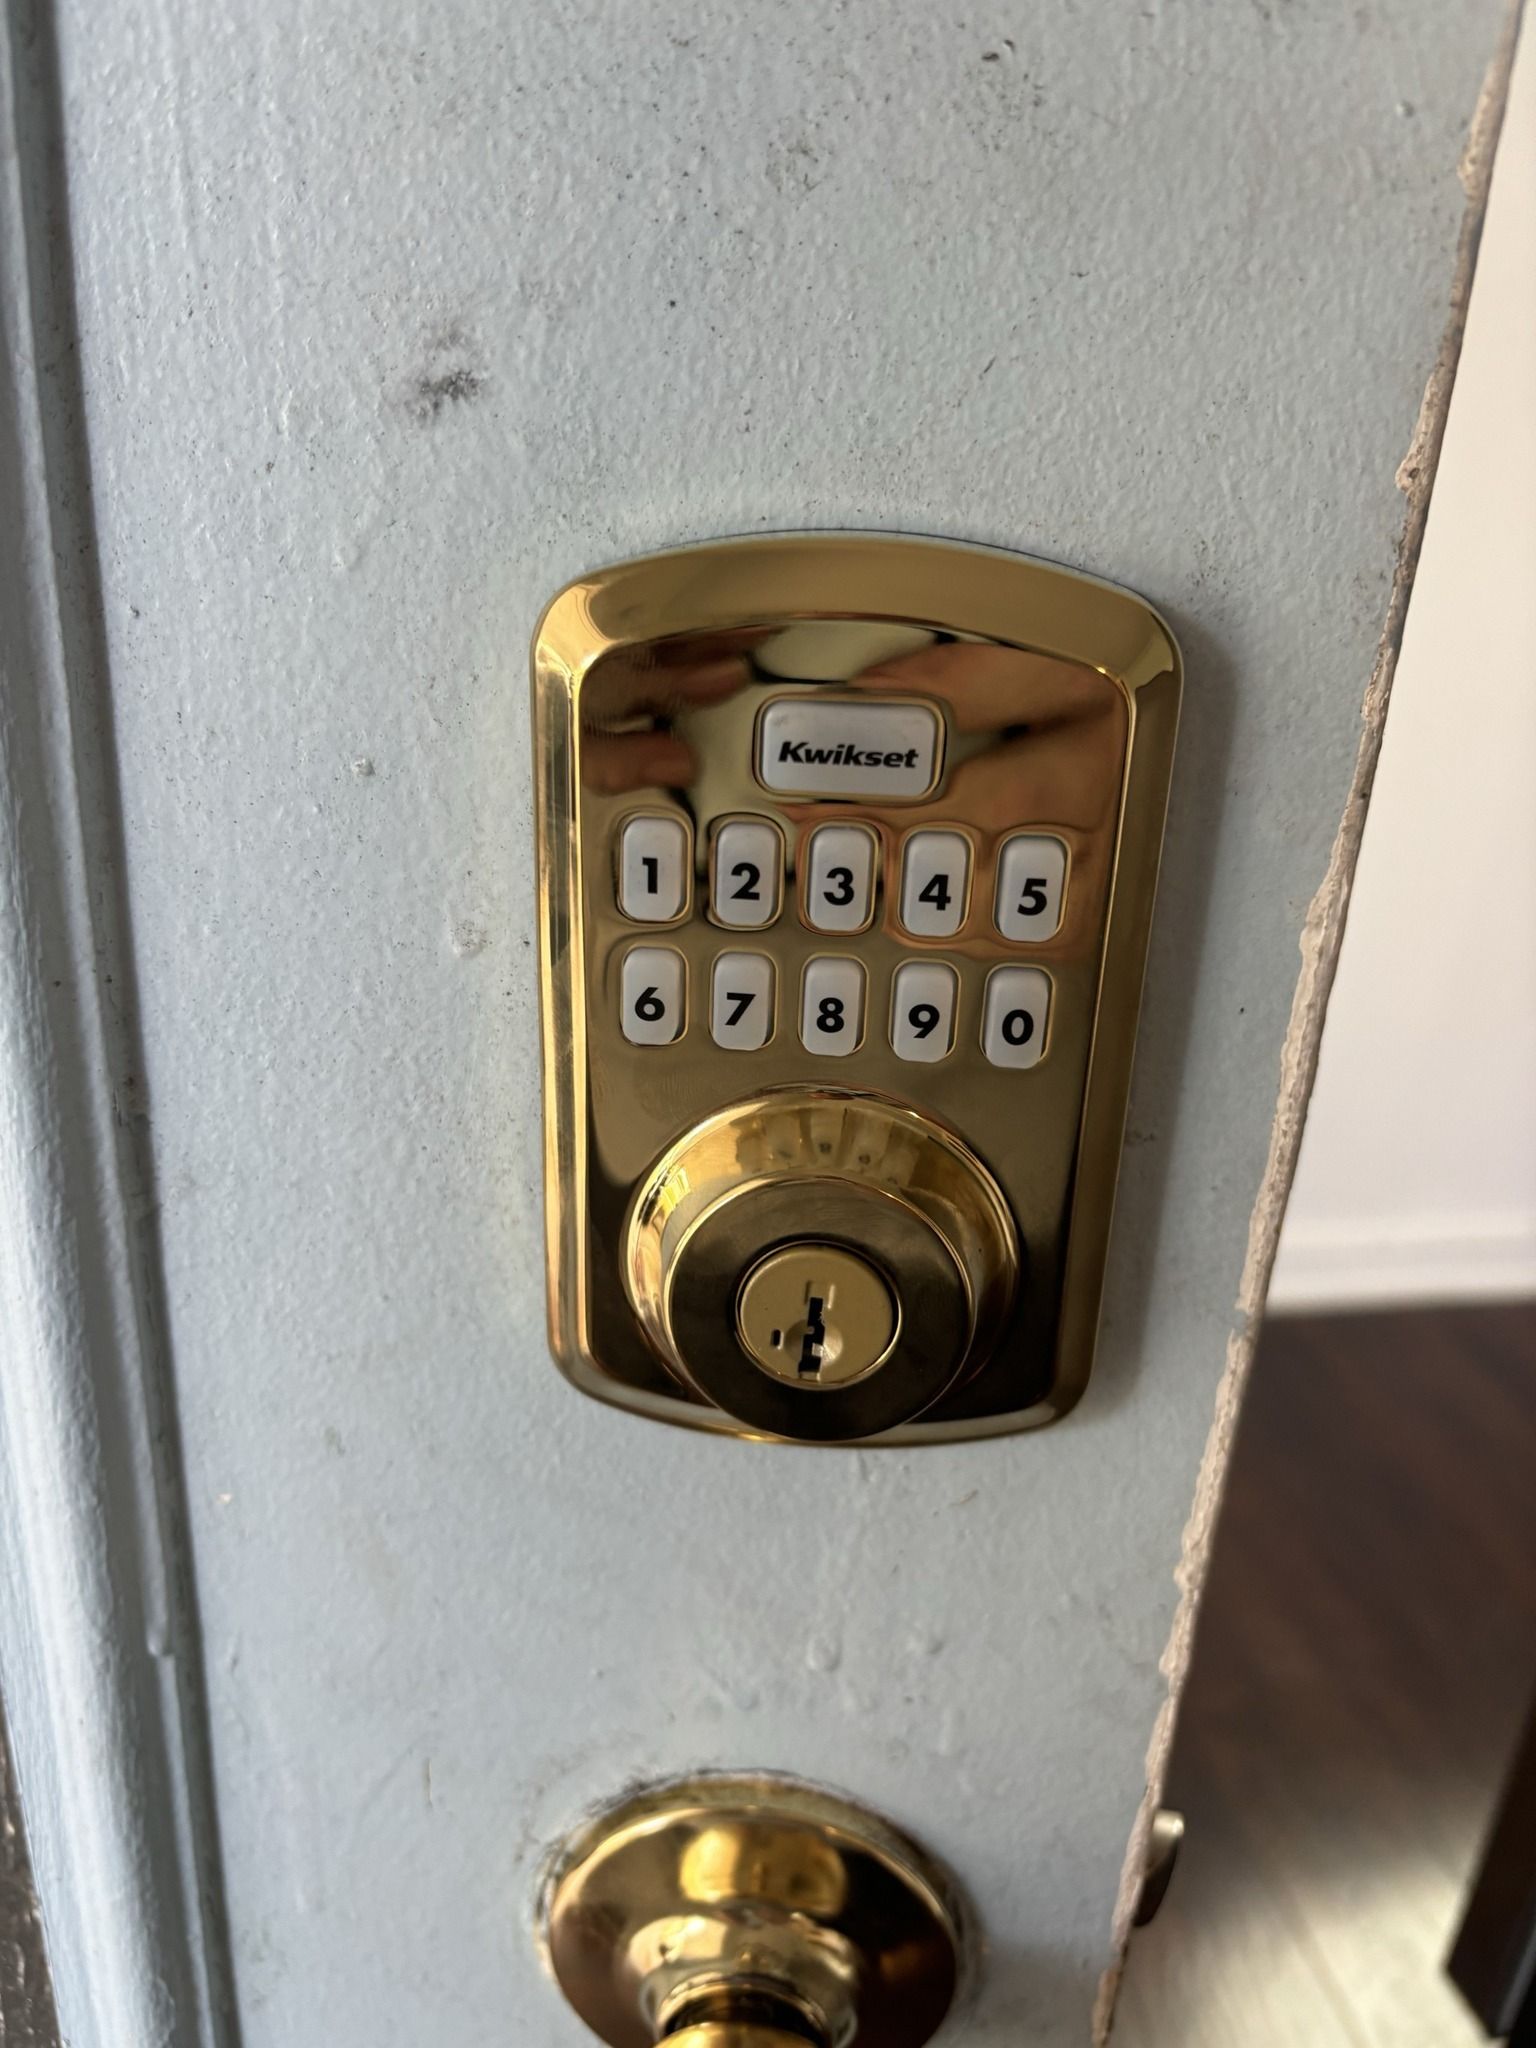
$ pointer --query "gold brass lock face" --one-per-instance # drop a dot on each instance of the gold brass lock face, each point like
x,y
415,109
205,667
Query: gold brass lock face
x,y
816,1316
847,849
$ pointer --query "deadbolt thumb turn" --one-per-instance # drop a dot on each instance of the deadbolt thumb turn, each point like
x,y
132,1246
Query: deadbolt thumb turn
x,y
751,1913
854,1255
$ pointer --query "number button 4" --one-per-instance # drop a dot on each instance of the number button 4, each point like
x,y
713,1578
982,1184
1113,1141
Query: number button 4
x,y
923,1010
840,878
1031,876
745,873
741,1001
832,1006
653,869
651,985
935,881
1015,1015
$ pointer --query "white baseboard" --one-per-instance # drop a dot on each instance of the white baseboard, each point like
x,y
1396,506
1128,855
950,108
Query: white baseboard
x,y
1380,1262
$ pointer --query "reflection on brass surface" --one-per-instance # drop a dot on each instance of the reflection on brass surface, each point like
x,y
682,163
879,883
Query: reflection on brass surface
x,y
720,1906
1058,698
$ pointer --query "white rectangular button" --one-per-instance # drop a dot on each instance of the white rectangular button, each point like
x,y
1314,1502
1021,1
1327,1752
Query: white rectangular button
x,y
923,1010
840,878
651,995
741,1001
1015,1015
748,867
810,746
832,1006
1031,871
935,880
653,869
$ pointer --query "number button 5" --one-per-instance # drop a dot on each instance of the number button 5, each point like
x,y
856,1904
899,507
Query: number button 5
x,y
741,1001
651,985
1031,875
744,882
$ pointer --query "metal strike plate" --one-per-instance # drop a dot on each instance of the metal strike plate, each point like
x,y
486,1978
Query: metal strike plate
x,y
924,1016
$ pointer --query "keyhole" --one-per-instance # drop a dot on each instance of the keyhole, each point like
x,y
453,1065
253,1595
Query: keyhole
x,y
812,1343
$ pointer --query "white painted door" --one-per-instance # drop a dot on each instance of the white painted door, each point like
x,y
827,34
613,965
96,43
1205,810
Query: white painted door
x,y
338,339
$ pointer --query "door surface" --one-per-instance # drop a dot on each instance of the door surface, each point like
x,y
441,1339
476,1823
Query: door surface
x,y
340,339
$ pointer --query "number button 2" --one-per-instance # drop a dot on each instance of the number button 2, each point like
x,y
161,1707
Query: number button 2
x,y
923,1010
935,881
1015,1015
832,1006
1031,875
651,984
840,878
741,1001
748,861
653,869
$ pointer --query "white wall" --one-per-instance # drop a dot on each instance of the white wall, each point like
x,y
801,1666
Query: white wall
x,y
1418,1172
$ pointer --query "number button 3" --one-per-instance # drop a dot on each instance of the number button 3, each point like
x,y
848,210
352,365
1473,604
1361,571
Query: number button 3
x,y
935,881
840,878
923,1010
745,873
653,869
741,1001
651,984
832,1006
1031,873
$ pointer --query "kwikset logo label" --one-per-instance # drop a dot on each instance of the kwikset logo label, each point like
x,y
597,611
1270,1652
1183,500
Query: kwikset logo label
x,y
845,754
864,747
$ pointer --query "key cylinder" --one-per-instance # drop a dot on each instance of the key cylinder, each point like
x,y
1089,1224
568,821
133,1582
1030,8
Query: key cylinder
x,y
815,1315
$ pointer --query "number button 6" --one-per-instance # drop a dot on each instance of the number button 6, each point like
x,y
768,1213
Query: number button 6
x,y
651,985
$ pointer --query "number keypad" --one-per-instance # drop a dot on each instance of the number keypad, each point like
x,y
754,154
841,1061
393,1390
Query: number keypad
x,y
929,1009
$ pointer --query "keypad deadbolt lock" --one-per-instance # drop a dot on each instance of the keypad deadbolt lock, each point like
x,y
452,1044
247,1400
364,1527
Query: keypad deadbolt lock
x,y
847,850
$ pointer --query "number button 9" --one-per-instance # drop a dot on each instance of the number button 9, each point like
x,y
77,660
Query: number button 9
x,y
923,1010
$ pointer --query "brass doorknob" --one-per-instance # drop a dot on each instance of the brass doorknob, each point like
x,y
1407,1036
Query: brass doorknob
x,y
822,1264
750,1913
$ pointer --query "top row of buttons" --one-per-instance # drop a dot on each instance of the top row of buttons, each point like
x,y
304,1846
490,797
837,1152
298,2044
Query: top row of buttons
x,y
838,882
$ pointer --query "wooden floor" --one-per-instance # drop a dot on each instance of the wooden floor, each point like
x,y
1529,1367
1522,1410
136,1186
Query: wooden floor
x,y
1366,1655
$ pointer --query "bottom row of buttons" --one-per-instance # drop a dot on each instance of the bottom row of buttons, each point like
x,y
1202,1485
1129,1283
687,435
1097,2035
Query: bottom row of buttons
x,y
924,998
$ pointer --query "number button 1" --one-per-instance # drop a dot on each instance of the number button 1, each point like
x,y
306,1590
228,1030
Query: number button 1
x,y
832,1006
840,878
748,861
1031,871
651,986
741,1001
1015,1014
923,1010
653,869
935,877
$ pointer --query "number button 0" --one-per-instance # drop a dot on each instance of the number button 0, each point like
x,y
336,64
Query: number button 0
x,y
923,1010
741,1001
651,995
832,1006
744,885
653,869
1031,870
935,880
840,878
1015,1015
